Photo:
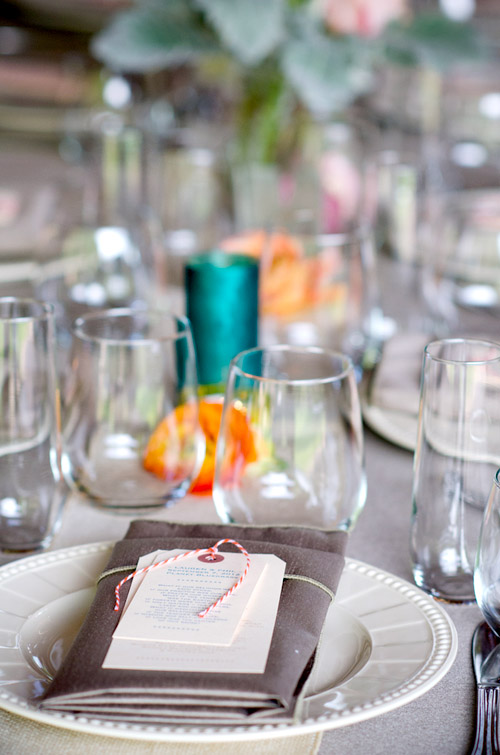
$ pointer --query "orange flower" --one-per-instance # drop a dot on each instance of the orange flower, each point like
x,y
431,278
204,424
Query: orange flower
x,y
168,446
162,462
240,443
210,417
290,282
284,273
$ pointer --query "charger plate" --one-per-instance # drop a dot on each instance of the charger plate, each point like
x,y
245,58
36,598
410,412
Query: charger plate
x,y
397,427
384,643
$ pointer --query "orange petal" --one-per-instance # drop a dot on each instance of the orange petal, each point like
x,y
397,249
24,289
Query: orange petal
x,y
240,450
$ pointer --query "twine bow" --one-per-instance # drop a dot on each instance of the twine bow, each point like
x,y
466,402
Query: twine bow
x,y
210,553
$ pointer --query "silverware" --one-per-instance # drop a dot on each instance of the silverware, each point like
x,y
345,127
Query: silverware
x,y
486,662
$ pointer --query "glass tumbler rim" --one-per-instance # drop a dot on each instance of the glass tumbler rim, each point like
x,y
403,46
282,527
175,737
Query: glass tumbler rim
x,y
497,478
118,312
221,259
347,364
452,341
356,235
36,309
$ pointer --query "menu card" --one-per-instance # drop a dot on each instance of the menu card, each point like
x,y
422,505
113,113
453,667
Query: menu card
x,y
161,628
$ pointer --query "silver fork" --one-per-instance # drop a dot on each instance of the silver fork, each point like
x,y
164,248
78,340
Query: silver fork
x,y
486,662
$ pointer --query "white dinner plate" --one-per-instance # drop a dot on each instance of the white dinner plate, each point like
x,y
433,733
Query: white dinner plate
x,y
398,427
385,643
390,391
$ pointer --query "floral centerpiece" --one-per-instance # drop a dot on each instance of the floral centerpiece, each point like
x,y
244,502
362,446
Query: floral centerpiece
x,y
286,64
285,59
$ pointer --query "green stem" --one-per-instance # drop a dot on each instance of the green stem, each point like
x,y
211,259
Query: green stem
x,y
266,119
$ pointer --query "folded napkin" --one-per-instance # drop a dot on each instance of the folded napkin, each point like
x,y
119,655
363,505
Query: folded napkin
x,y
82,686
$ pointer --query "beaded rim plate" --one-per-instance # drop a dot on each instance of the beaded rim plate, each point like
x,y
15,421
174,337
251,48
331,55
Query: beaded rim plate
x,y
399,428
385,643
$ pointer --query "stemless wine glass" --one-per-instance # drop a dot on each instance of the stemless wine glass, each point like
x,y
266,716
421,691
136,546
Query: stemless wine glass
x,y
131,434
31,488
290,447
487,569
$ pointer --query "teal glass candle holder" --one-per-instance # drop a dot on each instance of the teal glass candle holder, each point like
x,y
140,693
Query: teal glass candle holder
x,y
222,305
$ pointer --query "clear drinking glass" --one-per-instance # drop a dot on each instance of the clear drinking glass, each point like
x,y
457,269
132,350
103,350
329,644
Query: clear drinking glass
x,y
328,296
290,447
190,201
106,249
457,452
487,571
31,487
131,436
469,228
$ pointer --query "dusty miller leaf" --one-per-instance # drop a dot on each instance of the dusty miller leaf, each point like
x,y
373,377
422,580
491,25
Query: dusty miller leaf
x,y
434,40
251,29
325,74
148,39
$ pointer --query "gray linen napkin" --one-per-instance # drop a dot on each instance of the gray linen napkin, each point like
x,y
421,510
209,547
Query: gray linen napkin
x,y
82,686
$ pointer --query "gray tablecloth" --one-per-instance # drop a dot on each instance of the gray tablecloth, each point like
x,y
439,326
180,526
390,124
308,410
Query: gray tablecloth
x,y
442,720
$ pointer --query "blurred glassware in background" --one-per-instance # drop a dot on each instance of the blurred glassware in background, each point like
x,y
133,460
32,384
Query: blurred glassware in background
x,y
414,180
53,95
306,220
456,456
407,98
471,105
266,197
398,181
344,172
322,290
31,488
191,200
108,251
320,187
455,146
290,450
30,200
407,176
28,208
470,242
37,191
460,233
131,435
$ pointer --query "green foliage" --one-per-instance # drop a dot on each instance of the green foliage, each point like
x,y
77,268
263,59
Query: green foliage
x,y
284,56
259,114
152,37
326,72
250,29
434,41
269,118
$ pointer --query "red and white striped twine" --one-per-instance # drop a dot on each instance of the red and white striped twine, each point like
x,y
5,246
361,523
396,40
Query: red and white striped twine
x,y
199,551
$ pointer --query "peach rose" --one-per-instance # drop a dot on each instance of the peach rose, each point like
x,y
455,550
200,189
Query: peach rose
x,y
365,18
